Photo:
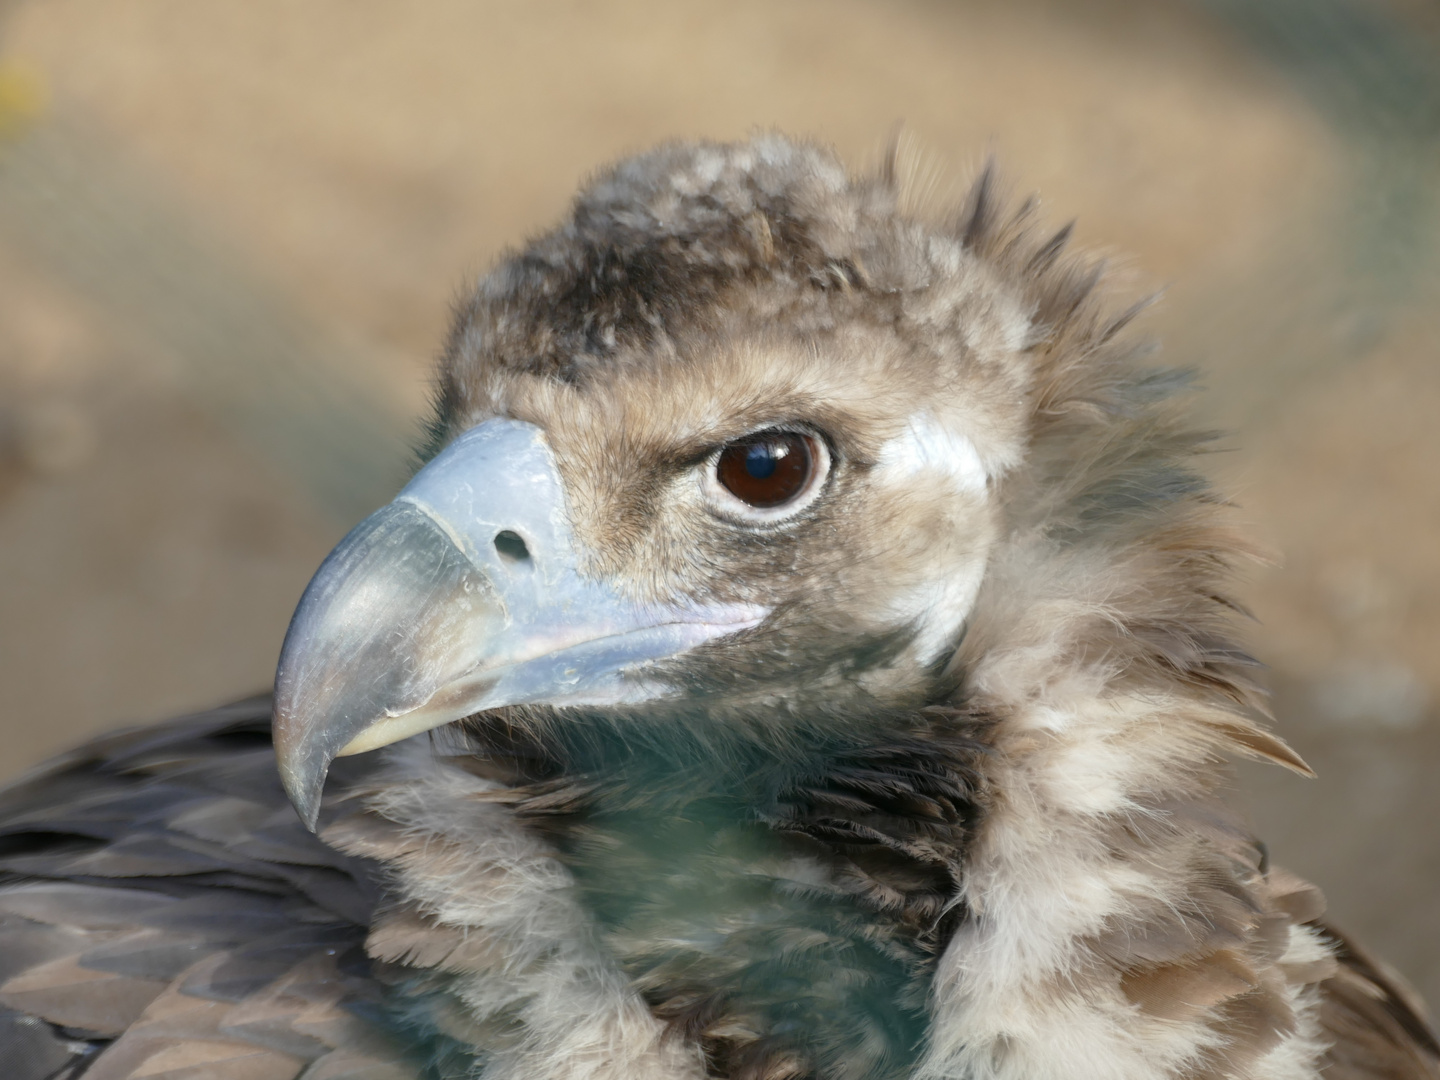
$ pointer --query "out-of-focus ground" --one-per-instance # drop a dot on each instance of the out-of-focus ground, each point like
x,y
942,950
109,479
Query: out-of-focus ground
x,y
230,234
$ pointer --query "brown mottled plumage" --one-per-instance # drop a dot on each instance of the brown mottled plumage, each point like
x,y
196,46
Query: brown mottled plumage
x,y
947,806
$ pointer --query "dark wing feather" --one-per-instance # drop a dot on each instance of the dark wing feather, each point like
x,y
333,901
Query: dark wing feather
x,y
164,913
1375,1021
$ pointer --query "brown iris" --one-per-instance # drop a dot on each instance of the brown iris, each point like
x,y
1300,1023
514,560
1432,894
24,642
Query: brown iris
x,y
768,469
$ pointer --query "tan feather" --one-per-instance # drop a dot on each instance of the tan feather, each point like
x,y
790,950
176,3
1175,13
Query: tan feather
x,y
1252,1025
1257,742
67,994
346,1064
1295,896
405,936
197,1059
1178,991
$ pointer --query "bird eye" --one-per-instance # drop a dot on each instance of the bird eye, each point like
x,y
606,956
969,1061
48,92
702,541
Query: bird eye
x,y
769,469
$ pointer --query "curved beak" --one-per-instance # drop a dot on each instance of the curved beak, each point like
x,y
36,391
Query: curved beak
x,y
463,594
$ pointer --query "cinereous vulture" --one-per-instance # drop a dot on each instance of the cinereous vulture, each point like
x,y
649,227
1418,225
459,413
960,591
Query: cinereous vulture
x,y
807,652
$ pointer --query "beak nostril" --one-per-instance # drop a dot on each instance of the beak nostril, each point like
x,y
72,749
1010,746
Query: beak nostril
x,y
511,547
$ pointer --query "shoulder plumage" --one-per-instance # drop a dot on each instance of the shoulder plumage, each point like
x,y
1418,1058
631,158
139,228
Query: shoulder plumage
x,y
163,912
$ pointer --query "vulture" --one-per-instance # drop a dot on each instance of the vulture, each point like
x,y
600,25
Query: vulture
x,y
806,652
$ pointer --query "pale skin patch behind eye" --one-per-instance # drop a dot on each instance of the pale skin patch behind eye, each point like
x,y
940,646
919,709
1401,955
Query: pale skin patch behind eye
x,y
927,450
926,446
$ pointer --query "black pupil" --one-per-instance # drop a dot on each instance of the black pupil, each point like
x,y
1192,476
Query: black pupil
x,y
761,460
767,470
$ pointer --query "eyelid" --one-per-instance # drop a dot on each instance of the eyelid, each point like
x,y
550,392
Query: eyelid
x,y
780,427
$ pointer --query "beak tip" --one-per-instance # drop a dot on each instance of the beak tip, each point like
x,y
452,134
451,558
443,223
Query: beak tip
x,y
302,770
304,797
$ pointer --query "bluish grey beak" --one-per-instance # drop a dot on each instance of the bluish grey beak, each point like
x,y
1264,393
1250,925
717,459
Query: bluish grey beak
x,y
463,594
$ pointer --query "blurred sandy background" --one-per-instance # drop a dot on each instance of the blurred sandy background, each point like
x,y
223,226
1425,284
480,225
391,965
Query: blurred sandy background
x,y
230,234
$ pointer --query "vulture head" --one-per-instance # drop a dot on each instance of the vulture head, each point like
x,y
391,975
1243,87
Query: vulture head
x,y
825,642
742,447
729,448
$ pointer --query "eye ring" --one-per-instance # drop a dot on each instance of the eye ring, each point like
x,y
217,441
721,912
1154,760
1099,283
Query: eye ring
x,y
768,475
